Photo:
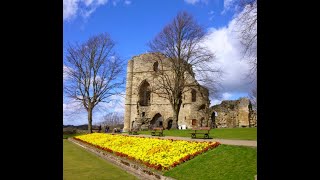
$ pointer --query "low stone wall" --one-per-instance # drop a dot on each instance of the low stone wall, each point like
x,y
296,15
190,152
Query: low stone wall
x,y
131,167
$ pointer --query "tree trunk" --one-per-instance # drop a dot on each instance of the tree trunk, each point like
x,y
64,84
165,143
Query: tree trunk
x,y
176,110
175,120
89,120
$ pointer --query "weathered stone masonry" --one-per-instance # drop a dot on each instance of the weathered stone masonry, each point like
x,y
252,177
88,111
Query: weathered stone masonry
x,y
144,109
234,113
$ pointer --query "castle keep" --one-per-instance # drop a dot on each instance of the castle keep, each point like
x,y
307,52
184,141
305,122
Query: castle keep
x,y
145,108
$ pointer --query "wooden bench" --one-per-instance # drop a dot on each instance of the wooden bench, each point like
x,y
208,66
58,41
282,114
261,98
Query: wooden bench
x,y
133,131
96,130
158,131
201,130
116,130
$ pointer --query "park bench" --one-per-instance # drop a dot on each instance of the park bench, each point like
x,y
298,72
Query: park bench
x,y
201,130
133,131
156,131
116,130
96,130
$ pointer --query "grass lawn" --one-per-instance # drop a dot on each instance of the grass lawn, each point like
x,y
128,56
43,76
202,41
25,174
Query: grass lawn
x,y
79,164
222,133
66,136
223,162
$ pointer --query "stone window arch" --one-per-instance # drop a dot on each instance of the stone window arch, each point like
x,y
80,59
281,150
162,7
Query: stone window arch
x,y
157,121
156,66
194,122
193,95
213,119
144,94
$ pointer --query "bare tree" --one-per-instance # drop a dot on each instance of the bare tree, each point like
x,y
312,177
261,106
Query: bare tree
x,y
247,27
93,72
112,119
253,96
179,48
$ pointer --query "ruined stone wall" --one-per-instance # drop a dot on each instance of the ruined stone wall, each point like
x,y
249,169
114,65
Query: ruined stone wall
x,y
253,118
234,113
141,68
190,110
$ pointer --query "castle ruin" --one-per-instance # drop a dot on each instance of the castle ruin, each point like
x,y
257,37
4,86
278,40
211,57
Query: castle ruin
x,y
144,108
233,113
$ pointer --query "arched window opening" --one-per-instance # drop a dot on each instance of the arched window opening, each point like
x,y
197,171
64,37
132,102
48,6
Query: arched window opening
x,y
156,121
193,95
144,94
194,122
156,66
169,124
213,120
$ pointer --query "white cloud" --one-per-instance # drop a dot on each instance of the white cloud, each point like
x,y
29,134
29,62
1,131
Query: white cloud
x,y
70,106
72,8
127,2
116,104
227,47
193,2
225,43
75,114
88,2
87,13
225,96
102,2
227,4
66,69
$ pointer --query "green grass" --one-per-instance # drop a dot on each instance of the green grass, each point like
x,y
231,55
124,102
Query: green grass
x,y
222,133
79,164
66,136
223,162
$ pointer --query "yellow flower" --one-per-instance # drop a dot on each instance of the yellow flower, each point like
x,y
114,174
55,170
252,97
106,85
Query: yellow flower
x,y
149,150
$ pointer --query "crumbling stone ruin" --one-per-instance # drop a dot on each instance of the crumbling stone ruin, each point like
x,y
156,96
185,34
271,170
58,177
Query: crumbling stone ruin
x,y
234,113
145,108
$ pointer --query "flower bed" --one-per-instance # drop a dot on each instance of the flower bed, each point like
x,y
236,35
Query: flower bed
x,y
160,154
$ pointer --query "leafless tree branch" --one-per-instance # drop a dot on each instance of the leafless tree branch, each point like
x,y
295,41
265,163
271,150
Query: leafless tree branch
x,y
246,24
112,119
182,59
94,72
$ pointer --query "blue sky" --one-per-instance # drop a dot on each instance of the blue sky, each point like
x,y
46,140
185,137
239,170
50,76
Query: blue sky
x,y
132,23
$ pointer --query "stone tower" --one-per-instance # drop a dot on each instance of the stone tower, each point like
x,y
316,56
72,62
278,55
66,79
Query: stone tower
x,y
145,109
127,114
